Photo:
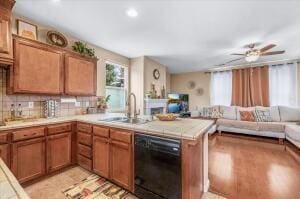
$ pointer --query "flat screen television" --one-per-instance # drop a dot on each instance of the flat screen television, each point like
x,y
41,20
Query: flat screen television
x,y
178,103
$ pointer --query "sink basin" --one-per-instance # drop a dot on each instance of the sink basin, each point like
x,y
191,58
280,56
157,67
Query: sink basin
x,y
124,120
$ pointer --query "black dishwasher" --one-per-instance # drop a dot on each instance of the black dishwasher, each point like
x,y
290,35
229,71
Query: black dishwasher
x,y
157,167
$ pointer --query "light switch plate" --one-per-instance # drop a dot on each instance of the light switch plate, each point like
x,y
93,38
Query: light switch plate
x,y
30,105
77,104
87,104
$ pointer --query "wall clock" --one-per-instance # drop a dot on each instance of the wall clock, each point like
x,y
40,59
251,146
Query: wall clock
x,y
156,74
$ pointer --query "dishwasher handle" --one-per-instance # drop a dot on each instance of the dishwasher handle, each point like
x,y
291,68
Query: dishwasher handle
x,y
165,146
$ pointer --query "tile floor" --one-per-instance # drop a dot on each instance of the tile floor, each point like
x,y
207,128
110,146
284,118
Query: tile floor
x,y
51,188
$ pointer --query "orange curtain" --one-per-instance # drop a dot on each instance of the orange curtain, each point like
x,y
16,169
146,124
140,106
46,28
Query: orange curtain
x,y
250,86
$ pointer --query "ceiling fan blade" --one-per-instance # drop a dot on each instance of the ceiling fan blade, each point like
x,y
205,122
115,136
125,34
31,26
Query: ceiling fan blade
x,y
268,47
234,60
237,54
272,53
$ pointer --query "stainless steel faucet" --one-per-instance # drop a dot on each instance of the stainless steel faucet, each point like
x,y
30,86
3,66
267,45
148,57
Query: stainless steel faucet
x,y
128,103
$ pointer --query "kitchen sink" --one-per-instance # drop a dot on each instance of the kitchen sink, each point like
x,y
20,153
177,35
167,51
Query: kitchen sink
x,y
124,120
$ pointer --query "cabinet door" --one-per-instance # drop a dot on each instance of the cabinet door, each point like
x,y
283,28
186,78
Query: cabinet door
x,y
6,54
121,171
4,154
80,75
58,151
101,156
28,159
38,68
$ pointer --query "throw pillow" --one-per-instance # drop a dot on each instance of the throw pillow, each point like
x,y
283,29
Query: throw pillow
x,y
247,116
207,112
263,116
216,113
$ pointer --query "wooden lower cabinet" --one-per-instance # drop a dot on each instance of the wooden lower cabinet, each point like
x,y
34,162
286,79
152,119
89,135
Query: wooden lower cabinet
x,y
101,156
121,152
192,168
59,151
4,154
113,155
121,171
29,159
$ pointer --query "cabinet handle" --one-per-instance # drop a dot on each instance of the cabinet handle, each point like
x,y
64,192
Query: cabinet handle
x,y
120,144
25,135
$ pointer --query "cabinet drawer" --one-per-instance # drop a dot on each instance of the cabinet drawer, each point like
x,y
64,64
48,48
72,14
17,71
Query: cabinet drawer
x,y
59,128
28,133
101,131
4,138
84,138
84,162
86,128
120,135
84,150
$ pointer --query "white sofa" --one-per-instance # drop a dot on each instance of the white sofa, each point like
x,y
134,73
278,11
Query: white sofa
x,y
283,124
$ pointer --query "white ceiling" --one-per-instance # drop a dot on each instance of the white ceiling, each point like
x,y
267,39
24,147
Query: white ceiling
x,y
186,35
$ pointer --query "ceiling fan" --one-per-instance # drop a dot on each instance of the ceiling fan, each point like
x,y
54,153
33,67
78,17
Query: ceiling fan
x,y
253,54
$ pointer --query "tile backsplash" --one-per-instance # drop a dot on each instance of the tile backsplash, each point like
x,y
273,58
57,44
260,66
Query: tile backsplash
x,y
64,109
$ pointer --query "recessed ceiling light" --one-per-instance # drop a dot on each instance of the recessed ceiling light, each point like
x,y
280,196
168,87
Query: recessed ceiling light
x,y
132,13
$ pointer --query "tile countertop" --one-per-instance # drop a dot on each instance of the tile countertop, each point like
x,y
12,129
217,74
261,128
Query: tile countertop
x,y
180,128
9,186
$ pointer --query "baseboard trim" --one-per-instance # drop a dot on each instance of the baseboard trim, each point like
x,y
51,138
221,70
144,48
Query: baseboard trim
x,y
206,186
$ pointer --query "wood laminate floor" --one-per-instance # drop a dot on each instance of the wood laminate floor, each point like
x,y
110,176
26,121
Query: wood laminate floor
x,y
241,169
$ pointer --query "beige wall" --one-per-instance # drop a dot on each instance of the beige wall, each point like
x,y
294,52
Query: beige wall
x,y
298,84
168,82
103,54
150,66
141,77
137,80
179,84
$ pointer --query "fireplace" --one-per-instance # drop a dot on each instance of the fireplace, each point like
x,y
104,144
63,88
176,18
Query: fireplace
x,y
157,110
155,106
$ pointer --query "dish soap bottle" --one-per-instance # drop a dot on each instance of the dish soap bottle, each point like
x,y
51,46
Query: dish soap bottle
x,y
19,111
12,112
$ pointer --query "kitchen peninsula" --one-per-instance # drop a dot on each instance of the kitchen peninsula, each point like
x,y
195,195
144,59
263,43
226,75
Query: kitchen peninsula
x,y
105,148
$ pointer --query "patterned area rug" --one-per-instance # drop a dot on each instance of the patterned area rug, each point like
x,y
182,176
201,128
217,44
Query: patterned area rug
x,y
95,187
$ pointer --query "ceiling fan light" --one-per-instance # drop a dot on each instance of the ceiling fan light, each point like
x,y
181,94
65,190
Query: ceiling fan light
x,y
252,56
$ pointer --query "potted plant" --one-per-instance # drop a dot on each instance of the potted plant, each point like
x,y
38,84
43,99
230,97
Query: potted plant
x,y
102,103
82,48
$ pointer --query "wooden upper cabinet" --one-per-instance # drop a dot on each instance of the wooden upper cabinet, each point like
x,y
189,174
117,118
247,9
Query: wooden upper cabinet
x,y
38,68
6,50
80,75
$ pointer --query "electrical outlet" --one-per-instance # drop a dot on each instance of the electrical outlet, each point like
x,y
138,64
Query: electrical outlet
x,y
87,104
30,105
77,104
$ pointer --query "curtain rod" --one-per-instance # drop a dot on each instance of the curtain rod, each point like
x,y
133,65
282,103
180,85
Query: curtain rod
x,y
227,68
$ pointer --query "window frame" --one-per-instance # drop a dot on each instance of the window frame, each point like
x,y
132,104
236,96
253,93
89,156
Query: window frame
x,y
126,84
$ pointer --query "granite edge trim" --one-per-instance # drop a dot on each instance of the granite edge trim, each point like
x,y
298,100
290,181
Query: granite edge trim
x,y
20,192
132,127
